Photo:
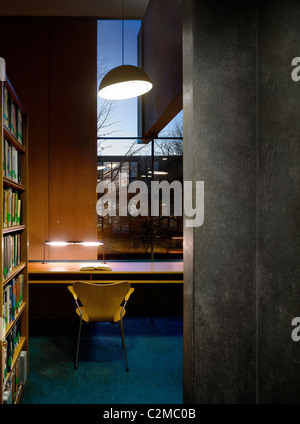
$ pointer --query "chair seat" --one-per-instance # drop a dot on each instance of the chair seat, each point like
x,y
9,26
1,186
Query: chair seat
x,y
86,318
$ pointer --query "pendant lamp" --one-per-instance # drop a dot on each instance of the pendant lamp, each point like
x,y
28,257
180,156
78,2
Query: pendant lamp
x,y
125,81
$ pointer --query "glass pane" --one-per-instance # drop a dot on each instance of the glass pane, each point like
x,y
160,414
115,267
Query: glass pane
x,y
125,236
125,219
116,118
168,226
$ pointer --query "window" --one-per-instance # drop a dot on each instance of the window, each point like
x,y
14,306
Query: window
x,y
127,168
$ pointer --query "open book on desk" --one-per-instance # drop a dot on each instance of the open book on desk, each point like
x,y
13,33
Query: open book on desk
x,y
94,266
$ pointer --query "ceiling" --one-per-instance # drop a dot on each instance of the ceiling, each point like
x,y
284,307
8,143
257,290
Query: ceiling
x,y
92,8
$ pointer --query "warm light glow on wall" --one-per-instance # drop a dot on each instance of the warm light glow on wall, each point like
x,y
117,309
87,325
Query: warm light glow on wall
x,y
76,243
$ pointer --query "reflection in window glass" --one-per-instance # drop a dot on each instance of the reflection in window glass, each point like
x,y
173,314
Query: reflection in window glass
x,y
167,227
130,234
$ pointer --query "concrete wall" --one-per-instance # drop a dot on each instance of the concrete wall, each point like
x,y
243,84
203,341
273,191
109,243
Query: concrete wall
x,y
278,224
241,137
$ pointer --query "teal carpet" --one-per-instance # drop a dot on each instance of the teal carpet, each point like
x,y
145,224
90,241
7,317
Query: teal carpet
x,y
154,353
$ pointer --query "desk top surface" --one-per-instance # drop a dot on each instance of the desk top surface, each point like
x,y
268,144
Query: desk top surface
x,y
116,267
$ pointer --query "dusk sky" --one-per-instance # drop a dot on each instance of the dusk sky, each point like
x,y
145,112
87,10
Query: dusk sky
x,y
110,54
124,115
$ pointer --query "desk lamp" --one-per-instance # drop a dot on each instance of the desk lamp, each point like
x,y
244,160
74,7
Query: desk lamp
x,y
76,243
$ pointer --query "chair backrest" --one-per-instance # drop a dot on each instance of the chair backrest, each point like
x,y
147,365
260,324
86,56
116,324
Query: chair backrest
x,y
101,301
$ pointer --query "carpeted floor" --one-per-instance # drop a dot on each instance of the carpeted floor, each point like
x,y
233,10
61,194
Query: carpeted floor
x,y
154,357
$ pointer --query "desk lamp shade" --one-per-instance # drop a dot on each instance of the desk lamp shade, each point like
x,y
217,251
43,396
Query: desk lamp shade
x,y
124,82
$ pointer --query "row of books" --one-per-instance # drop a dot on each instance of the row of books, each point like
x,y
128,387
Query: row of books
x,y
11,162
10,345
11,208
17,377
12,116
11,253
12,300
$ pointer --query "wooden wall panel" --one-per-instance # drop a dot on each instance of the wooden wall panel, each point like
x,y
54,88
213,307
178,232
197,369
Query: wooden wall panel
x,y
107,9
25,50
72,136
37,106
52,64
162,60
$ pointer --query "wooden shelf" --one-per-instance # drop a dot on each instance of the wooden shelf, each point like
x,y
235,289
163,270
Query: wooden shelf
x,y
13,184
9,328
13,141
14,272
15,229
19,233
19,394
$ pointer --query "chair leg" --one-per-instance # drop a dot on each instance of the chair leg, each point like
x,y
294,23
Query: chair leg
x,y
123,342
78,340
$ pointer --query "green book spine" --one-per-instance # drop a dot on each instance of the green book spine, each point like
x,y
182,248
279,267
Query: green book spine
x,y
20,126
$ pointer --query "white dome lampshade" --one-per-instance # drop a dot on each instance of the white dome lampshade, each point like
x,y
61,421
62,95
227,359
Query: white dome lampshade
x,y
124,82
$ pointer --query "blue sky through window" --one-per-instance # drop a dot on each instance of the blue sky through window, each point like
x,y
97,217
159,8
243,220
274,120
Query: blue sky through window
x,y
124,112
122,118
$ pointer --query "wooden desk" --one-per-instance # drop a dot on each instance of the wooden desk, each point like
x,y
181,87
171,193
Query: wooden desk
x,y
57,274
134,272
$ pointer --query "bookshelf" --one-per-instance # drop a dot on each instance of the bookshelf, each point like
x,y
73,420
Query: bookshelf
x,y
14,238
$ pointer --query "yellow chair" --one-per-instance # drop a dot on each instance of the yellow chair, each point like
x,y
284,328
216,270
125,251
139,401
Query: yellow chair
x,y
101,303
